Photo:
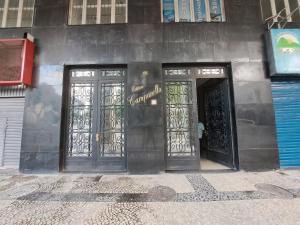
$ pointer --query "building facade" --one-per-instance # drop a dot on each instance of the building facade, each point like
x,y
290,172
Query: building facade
x,y
125,87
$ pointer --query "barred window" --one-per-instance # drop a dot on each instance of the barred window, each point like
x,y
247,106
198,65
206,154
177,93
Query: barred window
x,y
192,11
280,10
97,12
16,13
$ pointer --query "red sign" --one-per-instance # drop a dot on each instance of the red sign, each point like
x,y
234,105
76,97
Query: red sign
x,y
16,62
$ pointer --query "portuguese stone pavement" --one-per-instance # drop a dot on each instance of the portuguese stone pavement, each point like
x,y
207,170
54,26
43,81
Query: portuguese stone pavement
x,y
198,198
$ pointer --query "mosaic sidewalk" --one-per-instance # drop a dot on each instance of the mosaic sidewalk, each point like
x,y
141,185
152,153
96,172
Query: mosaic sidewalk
x,y
132,199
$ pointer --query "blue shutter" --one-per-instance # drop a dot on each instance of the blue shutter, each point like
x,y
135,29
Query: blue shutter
x,y
286,101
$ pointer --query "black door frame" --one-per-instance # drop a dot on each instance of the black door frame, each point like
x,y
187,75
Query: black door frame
x,y
99,80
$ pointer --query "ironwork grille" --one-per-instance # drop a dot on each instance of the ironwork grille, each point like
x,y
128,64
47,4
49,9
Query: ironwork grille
x,y
178,72
196,72
112,120
216,113
97,12
111,73
16,13
96,113
80,119
179,110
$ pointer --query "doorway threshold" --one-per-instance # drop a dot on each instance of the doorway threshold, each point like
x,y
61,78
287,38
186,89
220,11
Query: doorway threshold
x,y
211,166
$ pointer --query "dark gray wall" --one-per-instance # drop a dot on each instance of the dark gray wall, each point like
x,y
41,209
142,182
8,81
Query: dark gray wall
x,y
238,41
145,131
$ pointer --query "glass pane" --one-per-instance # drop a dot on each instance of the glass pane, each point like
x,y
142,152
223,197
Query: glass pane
x,y
112,120
168,11
184,10
83,74
80,120
76,12
27,14
106,11
296,12
199,10
112,73
215,10
266,9
121,11
12,13
1,11
91,12
179,119
177,72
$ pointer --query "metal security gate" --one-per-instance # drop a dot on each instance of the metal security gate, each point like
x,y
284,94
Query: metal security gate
x,y
183,107
286,101
182,147
218,123
11,124
95,121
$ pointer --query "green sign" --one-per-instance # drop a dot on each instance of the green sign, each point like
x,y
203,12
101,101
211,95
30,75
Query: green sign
x,y
284,51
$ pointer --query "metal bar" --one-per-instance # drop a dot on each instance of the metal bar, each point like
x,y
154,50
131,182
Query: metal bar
x,y
290,15
20,11
3,142
5,10
90,122
32,12
113,11
176,10
282,19
98,20
207,10
287,10
84,7
223,11
161,11
273,8
126,14
192,11
70,12
261,10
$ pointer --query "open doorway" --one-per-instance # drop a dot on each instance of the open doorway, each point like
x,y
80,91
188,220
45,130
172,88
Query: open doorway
x,y
214,124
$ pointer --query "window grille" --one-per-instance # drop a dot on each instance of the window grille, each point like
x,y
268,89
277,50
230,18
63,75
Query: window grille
x,y
83,12
281,11
16,13
192,11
